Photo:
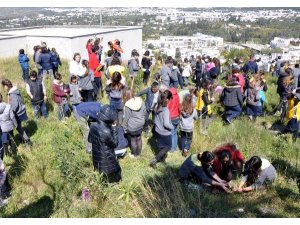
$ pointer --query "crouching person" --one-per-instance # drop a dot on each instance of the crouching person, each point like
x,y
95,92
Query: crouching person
x,y
104,138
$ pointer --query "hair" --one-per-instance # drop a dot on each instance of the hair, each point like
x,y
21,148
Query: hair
x,y
187,104
252,167
279,57
185,60
237,60
110,53
95,48
287,80
21,51
97,42
232,82
44,49
7,83
147,53
54,50
1,97
223,154
168,61
251,56
116,81
216,61
192,90
162,100
175,62
129,94
205,84
134,53
289,71
76,54
85,63
33,73
73,77
89,41
115,61
236,70
205,157
296,65
57,76
169,94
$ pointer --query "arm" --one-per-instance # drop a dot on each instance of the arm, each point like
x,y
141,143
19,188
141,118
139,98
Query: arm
x,y
13,118
127,115
57,91
28,91
44,89
27,59
58,59
145,91
205,98
112,140
240,97
13,103
166,120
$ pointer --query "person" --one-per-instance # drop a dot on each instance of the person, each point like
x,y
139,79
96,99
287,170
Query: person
x,y
188,115
258,174
163,128
104,138
114,91
97,45
187,72
7,123
199,167
55,60
18,107
4,185
115,66
76,66
60,93
209,65
278,66
293,113
86,83
198,72
236,64
165,73
175,76
23,60
252,95
75,96
296,74
108,58
228,163
134,120
96,67
240,78
37,52
250,66
45,60
232,99
36,90
133,65
152,94
146,64
89,45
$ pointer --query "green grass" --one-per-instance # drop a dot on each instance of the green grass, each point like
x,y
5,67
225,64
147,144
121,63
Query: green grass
x,y
47,180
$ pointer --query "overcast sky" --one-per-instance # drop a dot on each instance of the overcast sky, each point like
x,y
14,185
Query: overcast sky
x,y
150,3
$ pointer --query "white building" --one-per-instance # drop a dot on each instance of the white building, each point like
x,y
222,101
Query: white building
x,y
68,40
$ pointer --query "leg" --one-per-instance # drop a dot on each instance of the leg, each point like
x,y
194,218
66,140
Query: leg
x,y
51,74
139,145
162,153
21,131
120,117
44,109
133,144
146,125
60,112
284,109
180,81
75,112
36,110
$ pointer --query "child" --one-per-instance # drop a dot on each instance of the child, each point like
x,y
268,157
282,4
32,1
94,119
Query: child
x,y
258,173
55,60
36,90
165,73
146,63
23,60
203,105
163,128
176,77
187,72
133,64
75,96
293,113
253,100
60,93
86,83
134,120
18,107
4,186
152,94
7,123
114,91
188,115
96,67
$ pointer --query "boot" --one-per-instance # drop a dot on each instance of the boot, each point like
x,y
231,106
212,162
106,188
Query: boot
x,y
28,143
3,149
153,163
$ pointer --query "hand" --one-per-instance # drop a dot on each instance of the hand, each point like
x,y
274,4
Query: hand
x,y
213,99
79,89
239,190
223,186
45,98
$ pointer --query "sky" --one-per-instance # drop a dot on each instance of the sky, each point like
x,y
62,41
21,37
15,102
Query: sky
x,y
150,3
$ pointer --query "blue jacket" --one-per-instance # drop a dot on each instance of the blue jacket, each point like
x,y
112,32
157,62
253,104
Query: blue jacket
x,y
55,60
149,97
23,60
250,66
88,109
45,60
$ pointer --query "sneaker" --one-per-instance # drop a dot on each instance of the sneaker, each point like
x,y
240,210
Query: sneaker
x,y
228,121
153,163
185,152
89,151
3,202
131,156
28,143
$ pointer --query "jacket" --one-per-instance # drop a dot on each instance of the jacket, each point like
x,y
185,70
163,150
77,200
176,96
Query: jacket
x,y
232,96
165,73
135,112
23,60
37,89
187,121
16,101
55,60
85,82
58,92
104,139
36,60
146,63
94,63
203,100
175,73
293,110
241,81
114,68
250,66
7,118
252,96
149,97
133,66
45,60
88,109
75,96
77,68
162,121
174,104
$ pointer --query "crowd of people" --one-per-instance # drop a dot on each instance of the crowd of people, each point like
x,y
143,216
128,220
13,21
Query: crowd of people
x,y
178,94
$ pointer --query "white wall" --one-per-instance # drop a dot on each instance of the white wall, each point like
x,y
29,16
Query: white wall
x,y
9,47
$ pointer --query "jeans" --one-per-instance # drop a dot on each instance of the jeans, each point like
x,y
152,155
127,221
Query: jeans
x,y
37,107
25,74
146,76
232,112
20,129
252,110
87,95
174,134
283,105
62,110
180,81
97,86
185,81
186,140
146,125
135,142
40,73
49,72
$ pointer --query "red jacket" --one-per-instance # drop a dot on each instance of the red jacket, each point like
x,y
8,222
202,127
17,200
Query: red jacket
x,y
57,93
237,156
89,49
241,81
174,104
93,64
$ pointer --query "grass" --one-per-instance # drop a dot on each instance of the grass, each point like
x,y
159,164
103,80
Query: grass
x,y
47,180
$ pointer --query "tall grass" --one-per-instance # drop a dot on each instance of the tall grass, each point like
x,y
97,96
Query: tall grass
x,y
48,179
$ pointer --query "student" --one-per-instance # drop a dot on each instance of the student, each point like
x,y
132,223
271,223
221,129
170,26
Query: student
x,y
188,115
18,107
146,63
174,109
96,67
4,185
228,162
209,65
250,66
97,45
152,94
23,60
240,78
165,73
133,64
115,66
86,83
60,93
293,113
108,59
55,60
203,105
163,128
104,138
75,96
115,93
252,95
7,123
198,72
76,66
45,60
199,167
187,72
89,45
232,99
36,56
134,120
258,174
36,90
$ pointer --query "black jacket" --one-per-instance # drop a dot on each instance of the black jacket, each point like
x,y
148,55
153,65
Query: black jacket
x,y
104,139
232,96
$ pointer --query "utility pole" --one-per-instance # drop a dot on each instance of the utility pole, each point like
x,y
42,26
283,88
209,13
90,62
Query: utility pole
x,y
100,17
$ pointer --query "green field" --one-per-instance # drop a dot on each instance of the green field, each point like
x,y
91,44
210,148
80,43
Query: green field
x,y
48,179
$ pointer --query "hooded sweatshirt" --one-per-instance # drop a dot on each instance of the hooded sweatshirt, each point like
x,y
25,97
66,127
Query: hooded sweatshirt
x,y
163,125
7,118
75,96
85,82
232,96
59,96
187,121
16,101
133,66
174,104
175,73
23,60
135,111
